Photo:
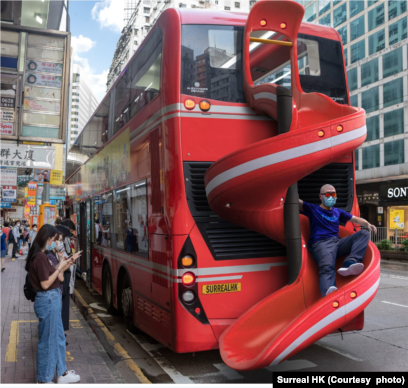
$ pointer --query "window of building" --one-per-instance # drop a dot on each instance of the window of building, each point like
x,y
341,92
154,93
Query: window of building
x,y
340,15
397,31
147,19
369,72
371,156
370,100
357,51
357,28
74,119
324,5
75,106
346,56
74,126
128,225
394,122
352,79
326,20
75,113
392,62
310,13
135,42
371,2
393,92
356,6
34,14
75,77
343,33
356,159
394,152
135,31
146,10
373,128
376,17
74,87
396,8
227,8
237,5
354,100
376,42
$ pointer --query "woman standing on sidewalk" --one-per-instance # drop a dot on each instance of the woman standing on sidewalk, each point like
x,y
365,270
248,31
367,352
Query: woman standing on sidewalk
x,y
3,248
45,278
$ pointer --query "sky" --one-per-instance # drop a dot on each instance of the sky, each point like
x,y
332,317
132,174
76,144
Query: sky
x,y
95,29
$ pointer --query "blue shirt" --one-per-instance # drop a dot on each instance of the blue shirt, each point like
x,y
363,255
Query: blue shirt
x,y
3,242
324,224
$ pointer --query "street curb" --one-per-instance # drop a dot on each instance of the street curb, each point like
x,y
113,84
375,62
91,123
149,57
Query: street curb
x,y
102,353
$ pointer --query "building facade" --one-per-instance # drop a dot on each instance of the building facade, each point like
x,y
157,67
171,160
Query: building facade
x,y
83,103
145,14
374,35
35,42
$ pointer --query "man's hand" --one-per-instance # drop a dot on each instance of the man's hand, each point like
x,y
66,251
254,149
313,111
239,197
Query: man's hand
x,y
364,223
372,228
301,205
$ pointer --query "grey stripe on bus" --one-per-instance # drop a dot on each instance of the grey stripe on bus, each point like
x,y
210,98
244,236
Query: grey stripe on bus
x,y
266,95
219,278
340,312
282,156
222,109
197,271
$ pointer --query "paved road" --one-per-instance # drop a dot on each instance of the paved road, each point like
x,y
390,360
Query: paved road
x,y
381,346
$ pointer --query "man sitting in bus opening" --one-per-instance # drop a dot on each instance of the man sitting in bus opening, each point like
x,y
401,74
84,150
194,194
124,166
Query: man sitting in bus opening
x,y
325,243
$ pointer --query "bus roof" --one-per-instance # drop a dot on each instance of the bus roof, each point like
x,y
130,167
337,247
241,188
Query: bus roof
x,y
200,16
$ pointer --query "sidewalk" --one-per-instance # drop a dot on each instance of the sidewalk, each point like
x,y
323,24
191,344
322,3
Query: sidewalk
x,y
19,337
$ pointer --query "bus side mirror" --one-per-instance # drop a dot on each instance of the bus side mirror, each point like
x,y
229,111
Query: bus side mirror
x,y
273,23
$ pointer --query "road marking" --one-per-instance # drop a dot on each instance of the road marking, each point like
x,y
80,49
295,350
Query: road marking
x,y
228,372
118,347
173,373
97,307
338,352
11,352
395,304
290,365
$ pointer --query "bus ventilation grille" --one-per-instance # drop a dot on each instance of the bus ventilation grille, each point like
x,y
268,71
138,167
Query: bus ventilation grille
x,y
226,241
339,175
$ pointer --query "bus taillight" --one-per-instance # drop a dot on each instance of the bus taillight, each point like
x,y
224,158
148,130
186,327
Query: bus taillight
x,y
189,104
188,279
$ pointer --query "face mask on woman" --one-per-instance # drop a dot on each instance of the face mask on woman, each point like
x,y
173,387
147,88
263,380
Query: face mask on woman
x,y
35,229
50,247
60,246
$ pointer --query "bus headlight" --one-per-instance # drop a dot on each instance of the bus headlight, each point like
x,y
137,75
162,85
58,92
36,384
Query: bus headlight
x,y
188,296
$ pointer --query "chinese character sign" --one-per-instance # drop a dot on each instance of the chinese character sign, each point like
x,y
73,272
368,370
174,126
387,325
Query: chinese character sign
x,y
56,177
44,80
44,67
9,177
6,128
27,156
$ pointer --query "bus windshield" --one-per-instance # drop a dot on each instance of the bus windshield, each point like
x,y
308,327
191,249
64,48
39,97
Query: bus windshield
x,y
211,62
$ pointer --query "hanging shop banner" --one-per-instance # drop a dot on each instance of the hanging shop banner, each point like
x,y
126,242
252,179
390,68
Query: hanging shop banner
x,y
396,219
44,67
42,106
5,205
27,156
30,91
25,192
6,128
32,189
9,176
7,116
44,80
56,177
7,102
18,211
9,194
26,212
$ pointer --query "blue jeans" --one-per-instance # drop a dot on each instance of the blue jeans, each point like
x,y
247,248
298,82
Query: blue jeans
x,y
325,253
51,346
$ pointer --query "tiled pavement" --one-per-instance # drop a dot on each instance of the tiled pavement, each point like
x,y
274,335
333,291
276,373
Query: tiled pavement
x,y
19,336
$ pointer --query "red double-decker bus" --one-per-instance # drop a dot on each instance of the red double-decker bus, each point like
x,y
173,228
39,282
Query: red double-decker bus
x,y
203,88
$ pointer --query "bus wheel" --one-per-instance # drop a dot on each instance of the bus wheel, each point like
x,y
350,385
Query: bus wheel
x,y
107,290
127,306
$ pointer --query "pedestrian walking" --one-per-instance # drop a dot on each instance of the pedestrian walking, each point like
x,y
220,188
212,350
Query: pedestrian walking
x,y
16,237
31,235
3,248
46,279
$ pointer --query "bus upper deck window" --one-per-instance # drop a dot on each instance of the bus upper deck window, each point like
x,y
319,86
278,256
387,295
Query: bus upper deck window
x,y
308,57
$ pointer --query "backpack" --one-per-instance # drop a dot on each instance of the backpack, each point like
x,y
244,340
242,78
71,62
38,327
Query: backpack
x,y
29,291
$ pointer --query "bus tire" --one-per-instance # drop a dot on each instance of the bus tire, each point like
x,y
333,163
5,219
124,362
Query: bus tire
x,y
127,305
108,290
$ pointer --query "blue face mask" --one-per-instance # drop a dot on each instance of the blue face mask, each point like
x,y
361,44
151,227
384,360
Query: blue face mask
x,y
329,202
50,247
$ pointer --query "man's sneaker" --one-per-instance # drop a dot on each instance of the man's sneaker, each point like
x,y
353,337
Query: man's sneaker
x,y
331,289
350,268
69,378
83,276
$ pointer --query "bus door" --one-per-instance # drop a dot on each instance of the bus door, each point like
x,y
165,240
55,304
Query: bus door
x,y
90,225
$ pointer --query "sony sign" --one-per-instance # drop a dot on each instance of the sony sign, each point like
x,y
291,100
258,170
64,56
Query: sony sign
x,y
397,192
